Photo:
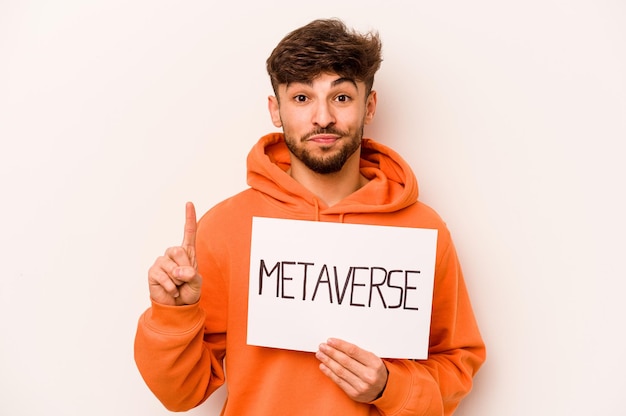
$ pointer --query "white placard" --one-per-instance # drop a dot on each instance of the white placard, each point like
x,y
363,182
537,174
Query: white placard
x,y
366,284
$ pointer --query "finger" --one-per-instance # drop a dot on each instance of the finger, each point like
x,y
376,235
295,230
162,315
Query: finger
x,y
351,354
175,265
178,256
173,258
190,290
189,235
340,364
360,373
184,274
160,278
341,376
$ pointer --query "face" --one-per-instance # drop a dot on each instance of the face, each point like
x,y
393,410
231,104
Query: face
x,y
323,120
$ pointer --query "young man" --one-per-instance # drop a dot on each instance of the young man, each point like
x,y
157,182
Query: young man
x,y
319,169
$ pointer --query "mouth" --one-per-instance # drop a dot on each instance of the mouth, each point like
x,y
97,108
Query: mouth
x,y
323,138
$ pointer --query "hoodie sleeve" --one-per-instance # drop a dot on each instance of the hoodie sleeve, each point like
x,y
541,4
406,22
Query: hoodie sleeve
x,y
435,386
180,350
172,358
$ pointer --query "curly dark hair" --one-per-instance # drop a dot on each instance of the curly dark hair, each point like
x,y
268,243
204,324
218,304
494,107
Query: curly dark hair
x,y
325,45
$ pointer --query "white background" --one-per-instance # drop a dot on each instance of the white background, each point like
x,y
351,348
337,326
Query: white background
x,y
114,113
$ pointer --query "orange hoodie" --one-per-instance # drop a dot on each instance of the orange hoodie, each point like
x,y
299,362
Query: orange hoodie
x,y
185,352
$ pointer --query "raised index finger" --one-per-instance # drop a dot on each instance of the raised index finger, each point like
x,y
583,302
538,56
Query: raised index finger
x,y
189,236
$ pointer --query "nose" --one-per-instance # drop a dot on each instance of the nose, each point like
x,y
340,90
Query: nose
x,y
323,115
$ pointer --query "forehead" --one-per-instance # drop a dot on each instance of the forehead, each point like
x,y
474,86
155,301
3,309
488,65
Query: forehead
x,y
325,81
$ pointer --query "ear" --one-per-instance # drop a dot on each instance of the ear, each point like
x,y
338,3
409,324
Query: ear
x,y
274,108
370,107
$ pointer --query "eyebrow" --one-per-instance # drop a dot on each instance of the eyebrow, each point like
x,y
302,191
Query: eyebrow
x,y
339,81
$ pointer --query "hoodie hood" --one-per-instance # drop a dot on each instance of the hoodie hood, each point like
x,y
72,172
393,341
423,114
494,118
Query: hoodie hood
x,y
392,184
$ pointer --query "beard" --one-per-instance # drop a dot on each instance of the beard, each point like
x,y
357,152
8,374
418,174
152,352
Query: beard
x,y
333,160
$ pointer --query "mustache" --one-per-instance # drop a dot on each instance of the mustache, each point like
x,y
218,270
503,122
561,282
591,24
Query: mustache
x,y
325,130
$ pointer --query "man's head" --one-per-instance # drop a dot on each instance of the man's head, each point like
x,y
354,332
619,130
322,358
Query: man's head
x,y
325,46
322,76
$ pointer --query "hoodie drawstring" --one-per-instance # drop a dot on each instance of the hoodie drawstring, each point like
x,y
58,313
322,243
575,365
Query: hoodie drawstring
x,y
318,214
317,209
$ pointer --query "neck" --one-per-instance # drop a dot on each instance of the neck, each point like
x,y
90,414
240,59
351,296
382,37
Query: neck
x,y
330,188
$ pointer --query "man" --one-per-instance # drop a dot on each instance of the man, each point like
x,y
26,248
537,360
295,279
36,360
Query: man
x,y
320,169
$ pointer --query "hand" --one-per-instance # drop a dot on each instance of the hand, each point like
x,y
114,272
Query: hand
x,y
173,278
359,373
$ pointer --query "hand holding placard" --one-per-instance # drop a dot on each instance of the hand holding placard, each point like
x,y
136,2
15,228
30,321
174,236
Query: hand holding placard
x,y
173,278
359,373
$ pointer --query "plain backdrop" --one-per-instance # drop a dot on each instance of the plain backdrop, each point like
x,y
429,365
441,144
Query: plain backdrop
x,y
115,113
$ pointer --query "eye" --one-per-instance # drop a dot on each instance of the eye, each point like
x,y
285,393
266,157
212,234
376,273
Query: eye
x,y
300,98
343,98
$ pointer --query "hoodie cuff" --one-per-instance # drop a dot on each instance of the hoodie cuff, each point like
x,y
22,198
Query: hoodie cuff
x,y
405,392
172,320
